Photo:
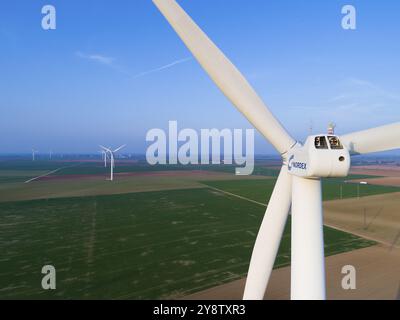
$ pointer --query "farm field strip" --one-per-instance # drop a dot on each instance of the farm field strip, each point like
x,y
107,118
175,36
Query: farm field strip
x,y
255,190
98,185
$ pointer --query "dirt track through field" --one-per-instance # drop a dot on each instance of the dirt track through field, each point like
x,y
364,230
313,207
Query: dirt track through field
x,y
49,173
44,175
237,196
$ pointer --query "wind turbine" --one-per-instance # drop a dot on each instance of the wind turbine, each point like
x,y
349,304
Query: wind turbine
x,y
299,183
112,153
33,154
104,154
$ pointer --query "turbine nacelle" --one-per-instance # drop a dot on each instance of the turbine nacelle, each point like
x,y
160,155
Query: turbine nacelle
x,y
321,156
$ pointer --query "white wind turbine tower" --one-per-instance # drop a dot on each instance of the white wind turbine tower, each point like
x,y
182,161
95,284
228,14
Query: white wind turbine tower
x,y
112,162
104,155
33,154
299,183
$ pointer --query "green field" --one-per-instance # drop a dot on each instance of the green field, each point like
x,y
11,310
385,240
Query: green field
x,y
134,246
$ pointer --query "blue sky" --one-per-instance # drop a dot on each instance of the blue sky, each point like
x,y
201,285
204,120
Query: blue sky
x,y
88,81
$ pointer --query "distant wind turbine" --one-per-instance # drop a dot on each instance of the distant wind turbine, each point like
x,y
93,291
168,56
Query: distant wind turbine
x,y
104,155
33,154
111,153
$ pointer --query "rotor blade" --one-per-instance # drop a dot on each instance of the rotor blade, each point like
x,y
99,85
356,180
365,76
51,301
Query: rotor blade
x,y
268,238
373,140
104,148
225,75
307,261
119,148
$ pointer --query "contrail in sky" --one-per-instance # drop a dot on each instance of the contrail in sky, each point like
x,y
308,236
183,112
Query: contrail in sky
x,y
110,62
169,65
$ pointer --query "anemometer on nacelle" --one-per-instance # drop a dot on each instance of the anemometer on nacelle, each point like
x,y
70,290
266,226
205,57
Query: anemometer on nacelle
x,y
320,156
